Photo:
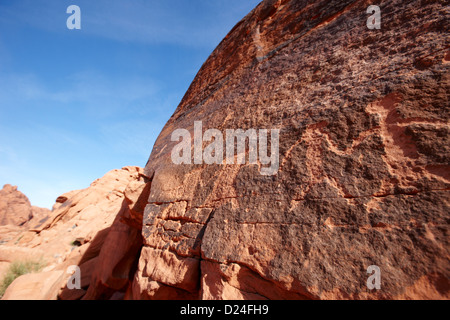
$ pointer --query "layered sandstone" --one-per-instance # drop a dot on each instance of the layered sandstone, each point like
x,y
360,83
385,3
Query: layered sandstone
x,y
364,161
97,229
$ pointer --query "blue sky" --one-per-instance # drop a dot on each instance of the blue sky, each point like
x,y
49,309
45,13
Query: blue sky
x,y
75,104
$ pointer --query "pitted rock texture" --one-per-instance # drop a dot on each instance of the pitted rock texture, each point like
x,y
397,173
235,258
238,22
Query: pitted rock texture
x,y
364,161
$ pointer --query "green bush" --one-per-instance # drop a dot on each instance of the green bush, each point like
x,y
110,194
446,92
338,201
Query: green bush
x,y
17,269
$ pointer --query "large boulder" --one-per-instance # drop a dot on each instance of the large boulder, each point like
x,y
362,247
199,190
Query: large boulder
x,y
363,173
35,286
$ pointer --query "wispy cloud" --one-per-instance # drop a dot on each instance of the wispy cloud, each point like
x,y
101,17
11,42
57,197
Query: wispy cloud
x,y
106,132
74,107
19,86
131,137
180,22
91,93
7,154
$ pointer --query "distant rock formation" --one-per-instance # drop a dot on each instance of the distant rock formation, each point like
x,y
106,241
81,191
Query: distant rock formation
x,y
16,209
17,216
97,229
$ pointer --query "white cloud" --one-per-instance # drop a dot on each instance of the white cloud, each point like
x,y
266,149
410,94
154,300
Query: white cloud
x,y
118,118
7,153
131,137
45,159
92,93
181,22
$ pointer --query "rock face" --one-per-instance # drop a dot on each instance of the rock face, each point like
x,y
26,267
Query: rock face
x,y
16,209
363,177
97,229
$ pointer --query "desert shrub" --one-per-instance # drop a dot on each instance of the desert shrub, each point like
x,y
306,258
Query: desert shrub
x,y
17,269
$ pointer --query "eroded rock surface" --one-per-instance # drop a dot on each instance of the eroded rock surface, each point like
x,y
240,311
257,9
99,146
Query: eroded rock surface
x,y
364,161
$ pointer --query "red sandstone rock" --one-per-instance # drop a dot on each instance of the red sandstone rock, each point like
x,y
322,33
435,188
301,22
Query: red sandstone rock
x,y
15,209
105,221
363,177
35,286
119,254
364,161
17,215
